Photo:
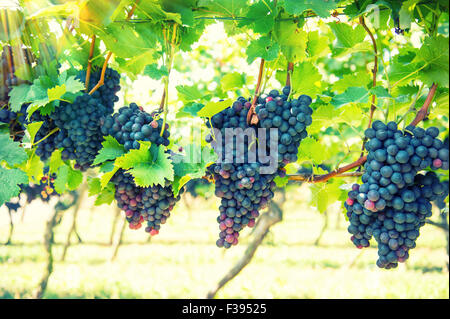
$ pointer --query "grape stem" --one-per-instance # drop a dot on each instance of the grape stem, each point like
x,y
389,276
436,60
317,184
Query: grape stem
x,y
252,118
423,112
105,64
102,77
89,67
290,69
374,76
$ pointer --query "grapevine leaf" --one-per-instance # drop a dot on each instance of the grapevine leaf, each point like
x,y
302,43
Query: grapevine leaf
x,y
56,92
67,179
312,150
212,108
111,149
434,52
263,47
55,161
148,166
155,72
321,7
106,196
292,40
189,93
232,81
73,85
32,129
11,179
349,80
231,8
352,94
94,186
380,92
190,109
310,84
10,151
192,165
260,17
18,96
106,177
34,167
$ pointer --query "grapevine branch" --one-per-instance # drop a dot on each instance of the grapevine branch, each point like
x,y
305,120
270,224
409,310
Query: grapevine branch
x,y
423,112
374,75
251,115
336,173
89,67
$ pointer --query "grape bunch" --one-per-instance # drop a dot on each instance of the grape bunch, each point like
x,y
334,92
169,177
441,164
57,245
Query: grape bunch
x,y
107,92
393,192
290,117
131,125
141,204
243,189
79,125
144,204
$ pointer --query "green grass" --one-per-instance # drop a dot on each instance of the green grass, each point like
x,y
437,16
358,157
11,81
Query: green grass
x,y
183,262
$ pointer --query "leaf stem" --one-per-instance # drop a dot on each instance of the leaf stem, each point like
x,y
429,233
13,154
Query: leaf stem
x,y
56,129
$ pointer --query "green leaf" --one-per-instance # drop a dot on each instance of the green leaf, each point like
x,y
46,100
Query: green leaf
x,y
56,92
148,167
106,196
192,165
106,177
190,109
263,47
11,179
260,17
231,81
292,40
351,95
306,79
346,35
212,108
155,72
349,80
94,186
55,161
189,93
111,149
321,7
10,151
434,52
19,96
34,168
380,92
312,150
67,179
73,85
32,129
